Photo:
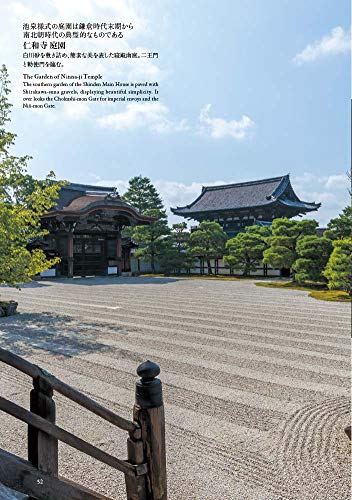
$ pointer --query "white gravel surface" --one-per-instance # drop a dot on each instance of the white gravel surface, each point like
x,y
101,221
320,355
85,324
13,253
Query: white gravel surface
x,y
256,381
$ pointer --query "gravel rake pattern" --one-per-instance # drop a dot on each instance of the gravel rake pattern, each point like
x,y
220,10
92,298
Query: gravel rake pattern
x,y
255,381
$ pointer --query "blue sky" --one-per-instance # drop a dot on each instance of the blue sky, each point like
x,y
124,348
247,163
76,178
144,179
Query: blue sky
x,y
248,89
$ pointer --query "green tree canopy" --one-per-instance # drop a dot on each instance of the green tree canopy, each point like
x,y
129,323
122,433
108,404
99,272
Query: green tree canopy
x,y
293,228
176,255
208,242
313,254
281,252
338,271
152,237
142,195
180,236
245,250
341,227
22,203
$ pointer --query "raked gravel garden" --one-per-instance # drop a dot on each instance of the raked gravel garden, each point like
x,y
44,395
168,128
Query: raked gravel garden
x,y
256,381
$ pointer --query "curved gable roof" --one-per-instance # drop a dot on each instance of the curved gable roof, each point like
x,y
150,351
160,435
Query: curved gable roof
x,y
244,195
77,200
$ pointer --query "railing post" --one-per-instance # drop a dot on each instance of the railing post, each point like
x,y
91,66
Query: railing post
x,y
149,413
136,487
42,448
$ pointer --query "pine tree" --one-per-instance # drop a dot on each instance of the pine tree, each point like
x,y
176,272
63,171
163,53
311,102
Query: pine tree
x,y
176,255
151,237
282,244
208,242
338,271
142,195
245,250
340,227
313,254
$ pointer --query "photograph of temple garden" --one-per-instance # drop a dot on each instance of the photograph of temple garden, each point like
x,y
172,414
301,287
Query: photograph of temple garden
x,y
175,295
85,229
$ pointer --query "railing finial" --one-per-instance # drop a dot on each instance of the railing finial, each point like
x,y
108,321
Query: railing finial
x,y
148,388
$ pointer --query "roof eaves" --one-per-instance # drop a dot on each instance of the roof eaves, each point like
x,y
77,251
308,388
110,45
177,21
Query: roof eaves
x,y
300,204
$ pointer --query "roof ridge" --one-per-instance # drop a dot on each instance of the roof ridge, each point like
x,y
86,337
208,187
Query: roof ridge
x,y
246,183
76,186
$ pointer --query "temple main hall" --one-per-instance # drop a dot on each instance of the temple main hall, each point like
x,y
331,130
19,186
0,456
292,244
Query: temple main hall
x,y
235,206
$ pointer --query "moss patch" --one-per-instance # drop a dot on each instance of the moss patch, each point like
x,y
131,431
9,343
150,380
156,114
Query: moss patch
x,y
316,291
331,295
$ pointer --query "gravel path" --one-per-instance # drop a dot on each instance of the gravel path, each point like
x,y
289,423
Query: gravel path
x,y
256,381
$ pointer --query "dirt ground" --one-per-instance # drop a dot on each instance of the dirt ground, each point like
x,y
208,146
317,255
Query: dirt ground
x,y
256,381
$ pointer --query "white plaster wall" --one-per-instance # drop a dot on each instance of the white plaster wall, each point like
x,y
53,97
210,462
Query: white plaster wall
x,y
224,271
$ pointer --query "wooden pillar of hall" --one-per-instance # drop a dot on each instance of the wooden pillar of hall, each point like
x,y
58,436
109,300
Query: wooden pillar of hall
x,y
70,254
119,251
119,245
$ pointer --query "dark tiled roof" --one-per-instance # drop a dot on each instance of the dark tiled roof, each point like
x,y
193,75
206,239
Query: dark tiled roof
x,y
71,191
81,199
245,195
89,188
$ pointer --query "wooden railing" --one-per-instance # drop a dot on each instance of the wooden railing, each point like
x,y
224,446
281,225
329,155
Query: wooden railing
x,y
145,467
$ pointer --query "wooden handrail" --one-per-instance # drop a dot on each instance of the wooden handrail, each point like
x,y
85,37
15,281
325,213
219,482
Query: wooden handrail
x,y
145,468
66,390
70,439
20,475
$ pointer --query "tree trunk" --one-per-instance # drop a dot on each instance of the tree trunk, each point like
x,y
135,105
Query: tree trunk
x,y
247,269
152,262
209,267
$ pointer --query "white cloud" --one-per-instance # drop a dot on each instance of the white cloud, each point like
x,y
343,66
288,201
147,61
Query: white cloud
x,y
120,185
173,193
337,181
148,115
23,12
305,178
181,194
77,112
329,190
218,128
154,116
338,41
